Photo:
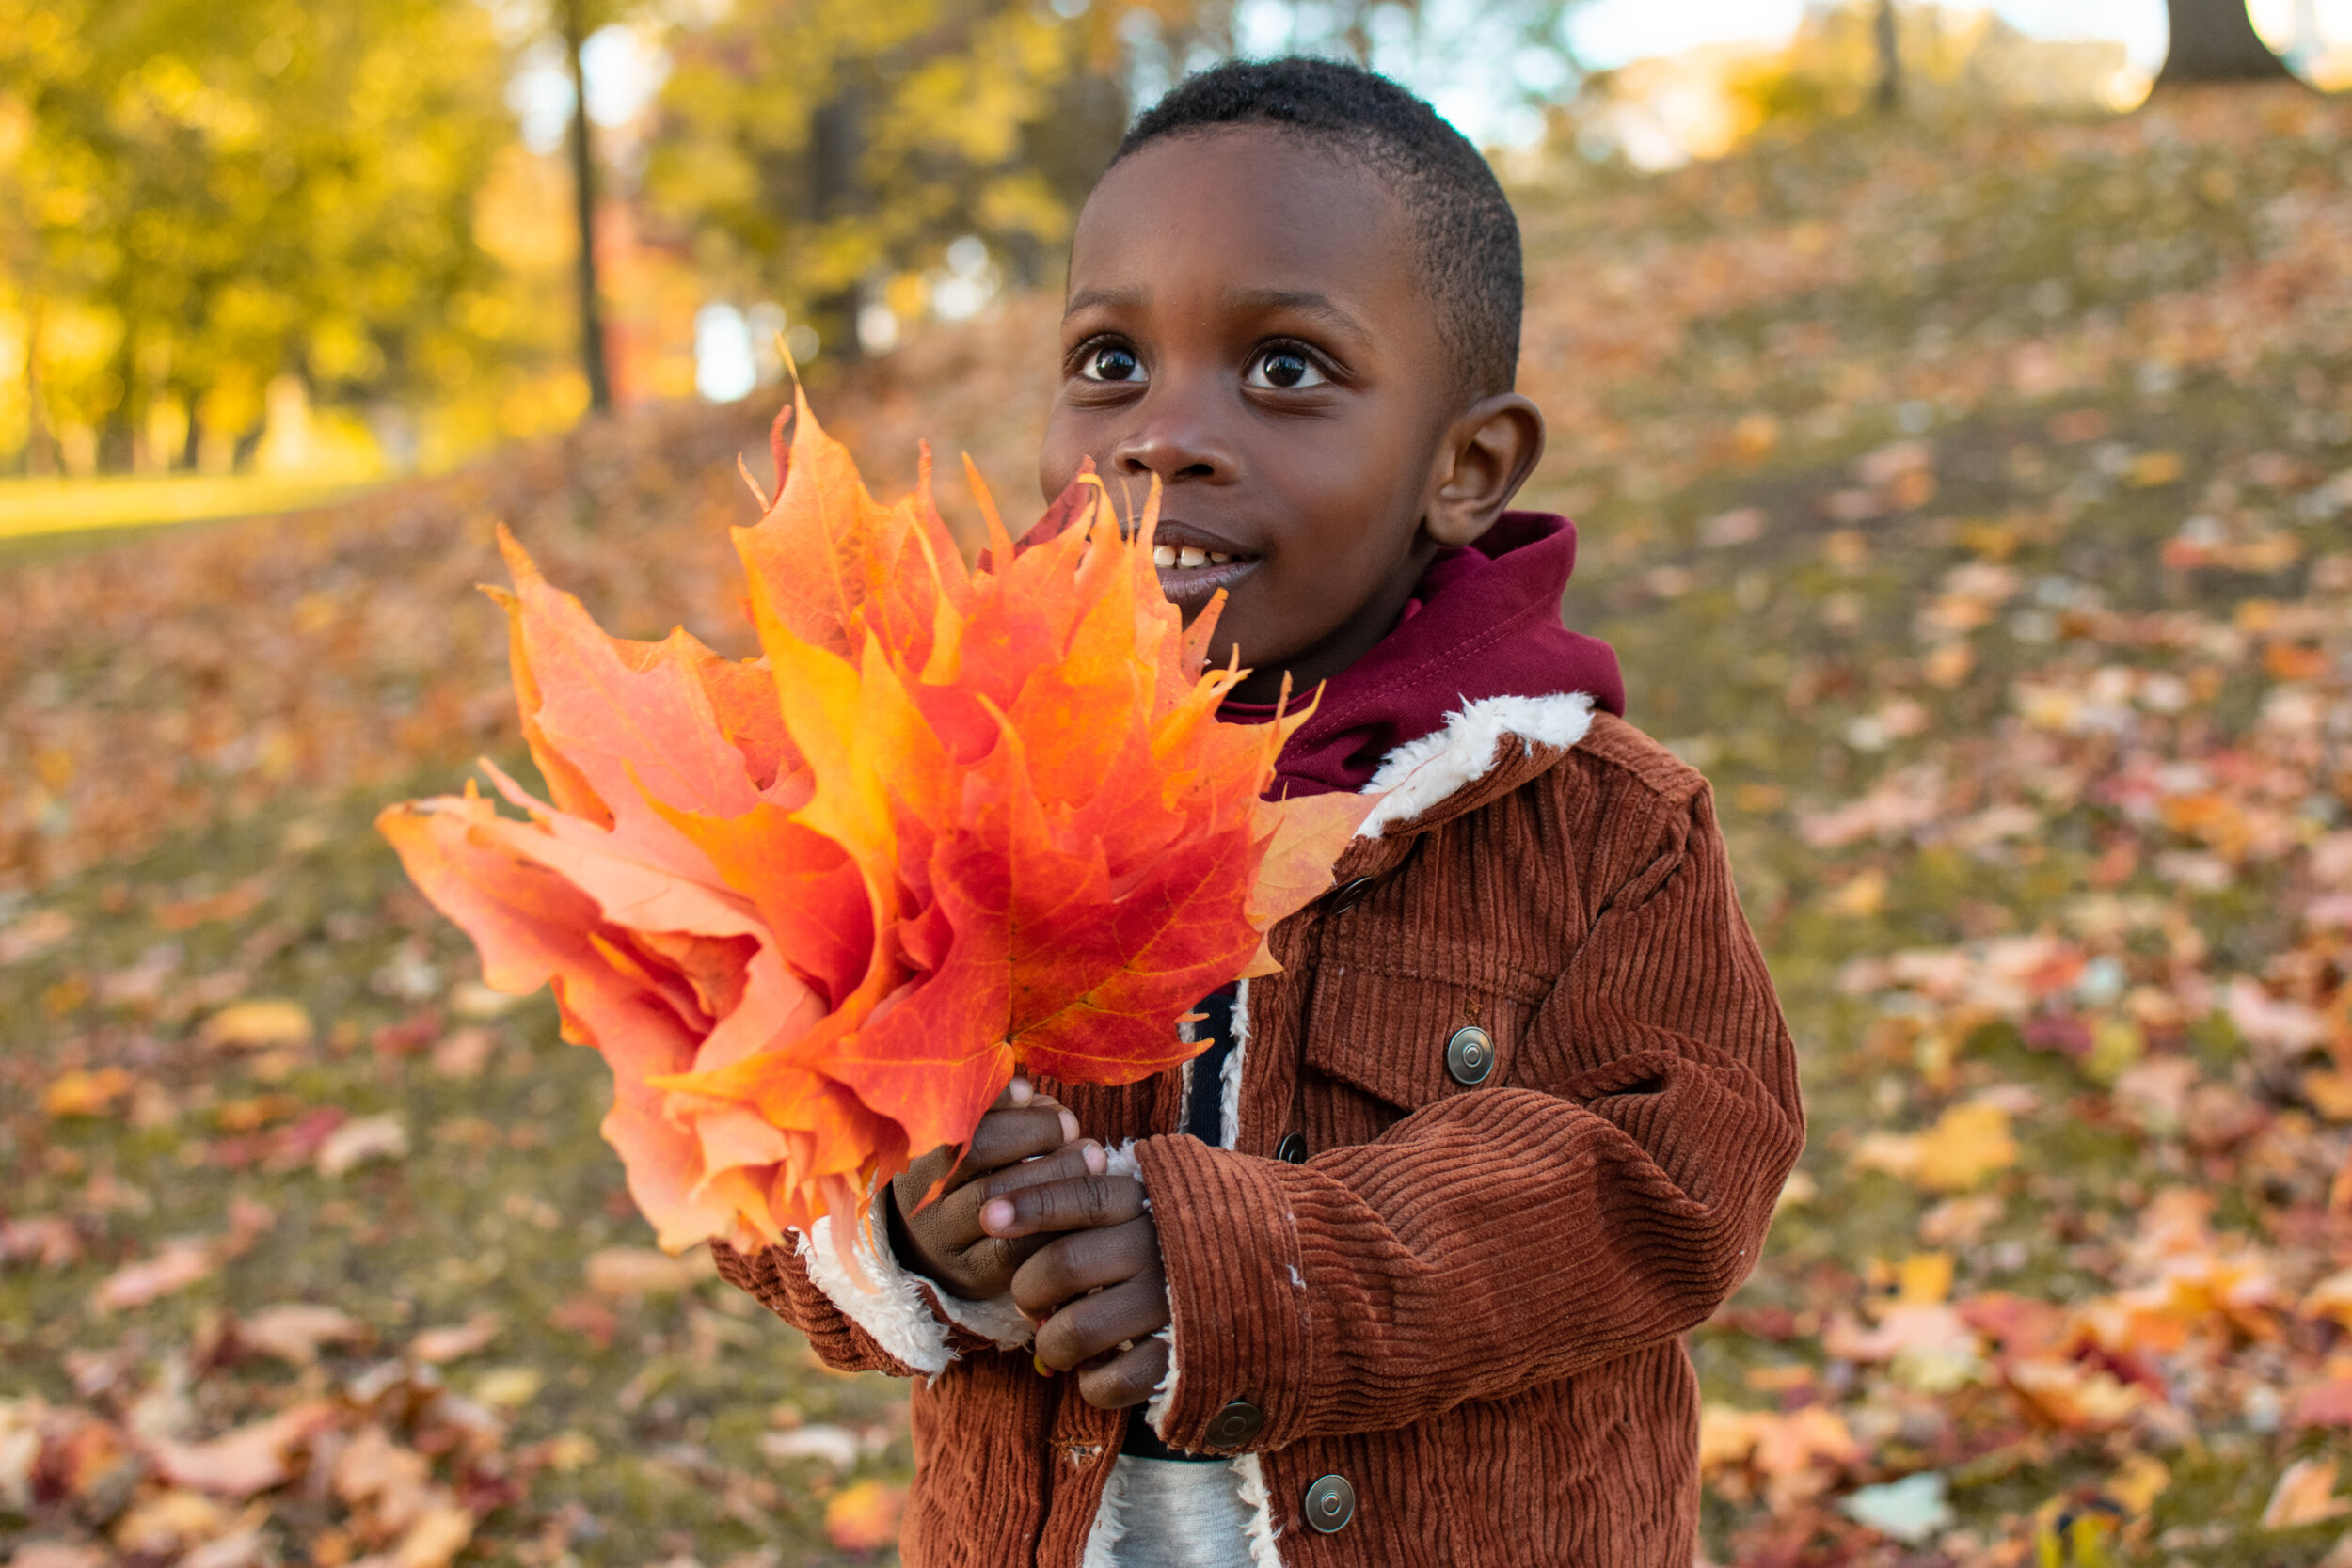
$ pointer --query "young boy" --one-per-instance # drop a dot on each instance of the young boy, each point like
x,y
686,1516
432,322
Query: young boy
x,y
1397,1271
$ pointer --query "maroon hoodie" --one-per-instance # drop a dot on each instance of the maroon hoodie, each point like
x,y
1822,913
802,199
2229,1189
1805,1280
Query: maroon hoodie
x,y
1485,622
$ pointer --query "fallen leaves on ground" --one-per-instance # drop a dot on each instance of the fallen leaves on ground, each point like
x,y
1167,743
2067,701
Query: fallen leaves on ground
x,y
863,1517
1970,502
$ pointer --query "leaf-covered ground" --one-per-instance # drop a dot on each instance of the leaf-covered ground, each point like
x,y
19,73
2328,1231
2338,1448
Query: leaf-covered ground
x,y
1975,504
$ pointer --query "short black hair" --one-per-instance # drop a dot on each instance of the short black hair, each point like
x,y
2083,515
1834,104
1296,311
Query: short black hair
x,y
1465,232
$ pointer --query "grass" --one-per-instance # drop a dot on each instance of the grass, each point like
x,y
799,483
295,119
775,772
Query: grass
x,y
38,508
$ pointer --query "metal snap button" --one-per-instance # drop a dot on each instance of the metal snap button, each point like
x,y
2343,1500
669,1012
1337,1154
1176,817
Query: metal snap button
x,y
1235,1425
1292,1150
1330,1504
1469,1056
1350,895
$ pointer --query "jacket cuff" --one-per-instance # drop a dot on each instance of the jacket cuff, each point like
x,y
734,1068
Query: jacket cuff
x,y
1236,1293
908,1315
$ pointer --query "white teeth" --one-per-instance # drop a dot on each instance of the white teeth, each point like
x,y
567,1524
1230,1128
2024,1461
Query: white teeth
x,y
1163,555
1189,558
1216,560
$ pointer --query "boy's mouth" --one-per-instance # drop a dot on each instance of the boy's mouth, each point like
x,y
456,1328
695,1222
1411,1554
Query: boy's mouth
x,y
1193,564
1168,557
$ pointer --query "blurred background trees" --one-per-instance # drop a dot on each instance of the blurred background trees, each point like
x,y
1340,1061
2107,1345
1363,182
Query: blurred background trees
x,y
383,233
827,154
199,197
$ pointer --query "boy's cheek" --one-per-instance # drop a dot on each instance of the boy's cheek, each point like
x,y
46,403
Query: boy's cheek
x,y
1059,457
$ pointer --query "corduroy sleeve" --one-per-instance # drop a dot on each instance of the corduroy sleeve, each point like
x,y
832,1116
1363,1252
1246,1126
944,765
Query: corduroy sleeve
x,y
893,1322
1504,1237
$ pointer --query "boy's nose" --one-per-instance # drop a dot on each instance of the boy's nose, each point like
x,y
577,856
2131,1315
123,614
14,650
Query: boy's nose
x,y
1175,447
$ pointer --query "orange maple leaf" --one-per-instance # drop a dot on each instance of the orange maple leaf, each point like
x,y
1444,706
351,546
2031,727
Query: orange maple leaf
x,y
815,907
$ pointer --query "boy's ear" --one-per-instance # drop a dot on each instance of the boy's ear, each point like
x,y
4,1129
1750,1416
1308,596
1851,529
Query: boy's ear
x,y
1486,456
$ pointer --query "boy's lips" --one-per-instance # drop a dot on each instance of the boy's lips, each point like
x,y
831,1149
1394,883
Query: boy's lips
x,y
1194,563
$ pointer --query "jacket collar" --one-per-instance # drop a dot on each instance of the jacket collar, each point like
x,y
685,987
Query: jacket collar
x,y
1483,625
1484,751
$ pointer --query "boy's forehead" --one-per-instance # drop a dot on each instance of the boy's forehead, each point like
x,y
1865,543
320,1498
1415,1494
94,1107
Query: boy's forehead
x,y
1257,204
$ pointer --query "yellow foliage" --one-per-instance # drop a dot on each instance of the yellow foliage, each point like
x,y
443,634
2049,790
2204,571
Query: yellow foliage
x,y
1968,1143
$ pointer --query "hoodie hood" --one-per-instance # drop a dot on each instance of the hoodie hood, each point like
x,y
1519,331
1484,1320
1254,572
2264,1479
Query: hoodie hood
x,y
1484,623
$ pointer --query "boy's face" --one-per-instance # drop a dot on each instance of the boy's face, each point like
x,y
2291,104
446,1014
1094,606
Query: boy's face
x,y
1245,321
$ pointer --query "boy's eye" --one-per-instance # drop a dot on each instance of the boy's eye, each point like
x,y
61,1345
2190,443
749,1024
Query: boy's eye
x,y
1111,363
1285,368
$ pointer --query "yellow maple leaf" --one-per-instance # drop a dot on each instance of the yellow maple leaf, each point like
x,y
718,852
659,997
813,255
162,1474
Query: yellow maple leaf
x,y
1968,1143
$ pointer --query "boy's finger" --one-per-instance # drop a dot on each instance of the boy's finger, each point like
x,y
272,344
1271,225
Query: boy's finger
x,y
1077,1202
1103,1321
922,1175
953,1223
990,1264
1021,1095
1079,1261
1127,1378
1003,1137
1071,1162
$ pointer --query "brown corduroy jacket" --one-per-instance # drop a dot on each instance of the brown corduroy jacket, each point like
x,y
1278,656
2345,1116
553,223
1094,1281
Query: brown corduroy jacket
x,y
1470,1302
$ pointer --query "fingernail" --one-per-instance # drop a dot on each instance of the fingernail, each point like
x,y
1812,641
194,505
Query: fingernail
x,y
996,1214
1097,1162
1068,1128
1022,1092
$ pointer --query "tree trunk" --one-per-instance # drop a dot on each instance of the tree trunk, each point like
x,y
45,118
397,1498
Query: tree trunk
x,y
1890,90
2213,41
592,358
192,444
836,150
41,448
118,428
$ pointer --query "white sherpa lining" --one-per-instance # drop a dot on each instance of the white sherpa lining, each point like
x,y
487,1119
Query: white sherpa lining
x,y
1254,1496
1163,1400
1188,1032
1163,1392
895,1312
899,1310
1122,1161
996,1320
1420,773
1110,1523
1229,1087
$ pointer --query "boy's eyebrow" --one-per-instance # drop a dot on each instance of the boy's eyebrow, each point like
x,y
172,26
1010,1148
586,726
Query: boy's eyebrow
x,y
1307,302
1304,301
1087,299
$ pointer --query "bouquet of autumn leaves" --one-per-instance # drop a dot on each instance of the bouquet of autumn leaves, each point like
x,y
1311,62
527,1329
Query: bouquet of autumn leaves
x,y
815,907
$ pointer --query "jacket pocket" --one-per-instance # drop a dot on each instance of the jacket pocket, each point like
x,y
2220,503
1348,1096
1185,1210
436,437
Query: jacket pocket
x,y
1388,1034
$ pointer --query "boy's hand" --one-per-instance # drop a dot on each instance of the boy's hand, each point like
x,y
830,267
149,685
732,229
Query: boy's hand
x,y
1024,1140
1099,1291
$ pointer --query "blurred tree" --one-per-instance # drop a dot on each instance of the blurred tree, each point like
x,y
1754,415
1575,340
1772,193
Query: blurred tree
x,y
2213,41
822,152
203,195
573,19
1942,61
825,153
1890,87
573,23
